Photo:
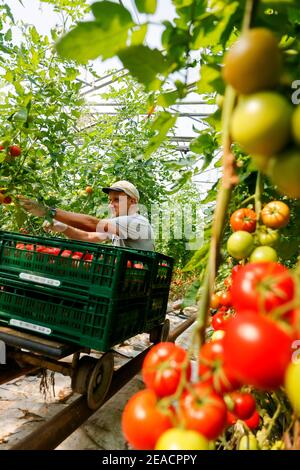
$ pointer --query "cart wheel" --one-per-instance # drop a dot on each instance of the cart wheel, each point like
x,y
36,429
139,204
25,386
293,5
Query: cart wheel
x,y
100,380
81,377
160,333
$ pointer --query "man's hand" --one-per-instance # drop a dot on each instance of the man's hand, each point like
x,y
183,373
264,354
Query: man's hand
x,y
55,226
34,207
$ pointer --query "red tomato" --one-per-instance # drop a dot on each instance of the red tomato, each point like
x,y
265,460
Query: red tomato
x,y
257,350
162,368
212,369
142,420
66,254
243,219
88,257
225,299
138,266
253,421
29,247
20,246
231,419
262,287
77,255
203,410
244,404
235,270
15,150
129,264
220,319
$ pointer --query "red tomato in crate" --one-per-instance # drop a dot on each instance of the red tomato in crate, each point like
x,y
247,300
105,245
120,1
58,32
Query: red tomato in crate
x,y
163,368
143,422
88,257
129,264
20,246
138,266
66,254
29,247
77,255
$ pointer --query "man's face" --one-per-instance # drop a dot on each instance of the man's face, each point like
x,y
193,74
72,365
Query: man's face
x,y
119,203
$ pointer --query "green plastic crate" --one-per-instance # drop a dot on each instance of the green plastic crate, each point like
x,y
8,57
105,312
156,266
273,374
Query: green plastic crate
x,y
91,321
100,270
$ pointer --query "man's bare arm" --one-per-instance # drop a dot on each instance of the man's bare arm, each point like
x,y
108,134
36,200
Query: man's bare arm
x,y
77,234
84,222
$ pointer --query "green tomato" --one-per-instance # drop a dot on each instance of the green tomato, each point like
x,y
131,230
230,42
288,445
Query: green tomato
x,y
240,244
261,123
181,439
292,385
263,253
284,171
248,443
268,237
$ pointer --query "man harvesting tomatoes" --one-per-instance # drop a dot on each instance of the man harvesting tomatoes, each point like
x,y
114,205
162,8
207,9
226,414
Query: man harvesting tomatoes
x,y
125,228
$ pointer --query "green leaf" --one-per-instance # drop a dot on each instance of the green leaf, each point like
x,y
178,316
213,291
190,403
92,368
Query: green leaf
x,y
146,6
139,34
143,63
210,80
106,12
168,98
2,156
21,115
182,3
101,38
162,124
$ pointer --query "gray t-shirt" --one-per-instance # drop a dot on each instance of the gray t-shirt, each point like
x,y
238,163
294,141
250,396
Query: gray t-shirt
x,y
135,232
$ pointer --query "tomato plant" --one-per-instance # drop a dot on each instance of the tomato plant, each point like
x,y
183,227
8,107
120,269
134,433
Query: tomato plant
x,y
163,369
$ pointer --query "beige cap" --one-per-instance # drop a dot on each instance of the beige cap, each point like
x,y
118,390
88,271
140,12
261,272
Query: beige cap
x,y
124,186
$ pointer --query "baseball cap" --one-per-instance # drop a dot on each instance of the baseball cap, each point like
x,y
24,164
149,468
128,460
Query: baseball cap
x,y
124,186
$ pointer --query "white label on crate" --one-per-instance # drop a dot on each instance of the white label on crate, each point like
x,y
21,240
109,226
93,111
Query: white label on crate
x,y
39,279
30,326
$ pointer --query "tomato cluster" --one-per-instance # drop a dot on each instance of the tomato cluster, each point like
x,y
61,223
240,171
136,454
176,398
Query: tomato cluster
x,y
264,122
256,237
